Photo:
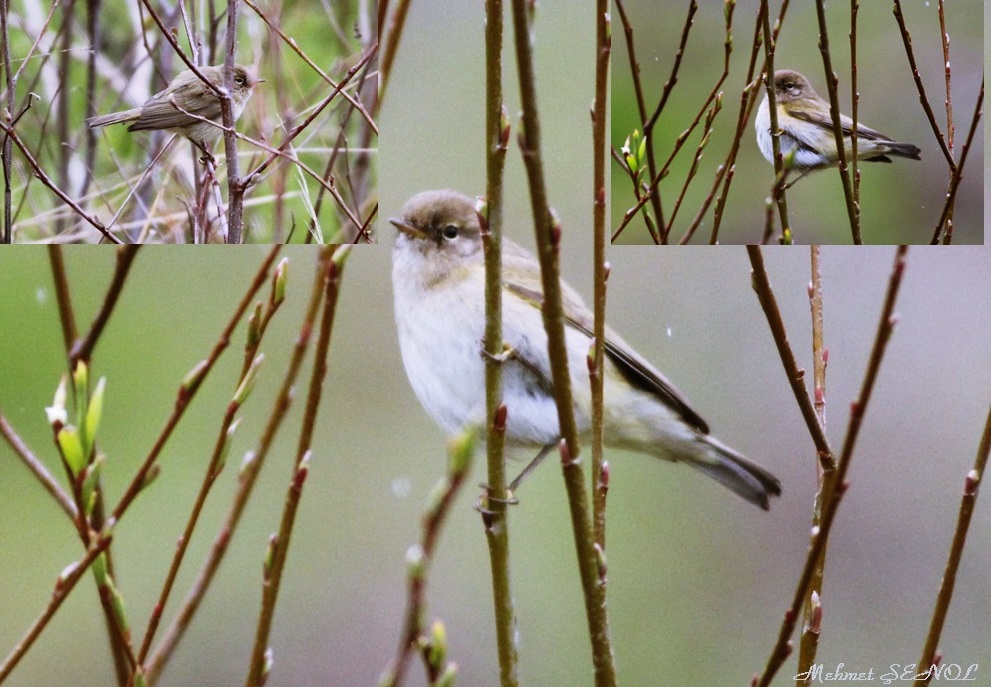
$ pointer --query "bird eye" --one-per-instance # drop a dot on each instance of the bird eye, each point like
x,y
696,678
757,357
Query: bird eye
x,y
239,80
450,232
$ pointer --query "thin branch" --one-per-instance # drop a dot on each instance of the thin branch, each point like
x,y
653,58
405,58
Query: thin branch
x,y
64,585
247,478
923,98
958,171
548,234
967,503
47,181
778,190
600,268
812,608
333,258
420,555
493,504
83,350
831,500
189,387
853,212
795,375
37,468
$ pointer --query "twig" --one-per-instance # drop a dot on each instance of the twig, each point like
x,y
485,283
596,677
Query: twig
x,y
600,268
83,350
333,261
812,608
748,97
235,185
831,501
189,386
493,504
47,181
391,36
62,297
246,481
778,190
548,234
967,503
853,212
958,171
765,295
923,98
63,586
37,468
420,555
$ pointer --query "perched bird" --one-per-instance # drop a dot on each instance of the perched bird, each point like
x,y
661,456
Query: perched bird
x,y
438,277
173,108
807,129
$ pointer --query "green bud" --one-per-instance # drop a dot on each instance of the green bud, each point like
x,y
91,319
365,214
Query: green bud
x,y
80,379
447,677
437,648
93,416
91,477
193,378
279,283
248,383
72,449
460,451
254,328
225,449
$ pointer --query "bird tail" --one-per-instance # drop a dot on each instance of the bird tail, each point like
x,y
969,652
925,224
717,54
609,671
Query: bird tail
x,y
739,475
112,118
903,149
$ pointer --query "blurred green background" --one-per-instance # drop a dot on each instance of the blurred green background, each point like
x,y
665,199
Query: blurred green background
x,y
698,579
900,202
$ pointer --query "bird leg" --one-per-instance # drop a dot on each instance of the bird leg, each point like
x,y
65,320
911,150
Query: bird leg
x,y
514,485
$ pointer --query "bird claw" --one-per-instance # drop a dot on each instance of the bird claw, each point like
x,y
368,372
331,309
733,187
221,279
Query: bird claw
x,y
508,353
487,496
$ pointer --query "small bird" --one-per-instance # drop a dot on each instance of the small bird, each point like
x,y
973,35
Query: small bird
x,y
438,278
807,129
172,109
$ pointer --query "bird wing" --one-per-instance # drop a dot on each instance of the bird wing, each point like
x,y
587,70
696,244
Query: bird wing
x,y
822,119
634,368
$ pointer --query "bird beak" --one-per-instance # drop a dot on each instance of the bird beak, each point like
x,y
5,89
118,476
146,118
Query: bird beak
x,y
402,225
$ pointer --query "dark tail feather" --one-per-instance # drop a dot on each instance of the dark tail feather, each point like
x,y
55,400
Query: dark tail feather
x,y
739,475
904,150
